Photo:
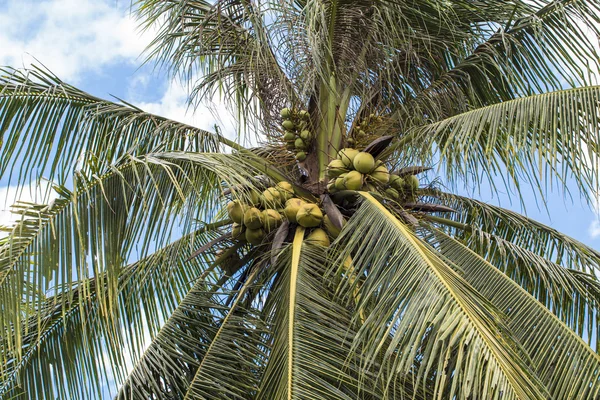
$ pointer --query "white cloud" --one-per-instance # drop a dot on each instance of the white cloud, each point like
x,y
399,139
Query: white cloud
x,y
69,37
31,193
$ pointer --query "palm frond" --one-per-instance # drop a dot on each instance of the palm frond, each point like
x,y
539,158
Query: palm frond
x,y
425,318
50,128
562,360
71,340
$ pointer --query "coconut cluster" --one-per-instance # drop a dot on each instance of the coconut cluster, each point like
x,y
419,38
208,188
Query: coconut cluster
x,y
356,170
402,188
363,129
262,213
297,134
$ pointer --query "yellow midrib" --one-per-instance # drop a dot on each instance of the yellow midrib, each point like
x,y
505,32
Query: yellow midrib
x,y
296,248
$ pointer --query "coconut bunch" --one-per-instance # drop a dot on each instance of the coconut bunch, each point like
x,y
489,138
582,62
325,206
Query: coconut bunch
x,y
363,129
259,214
319,227
402,189
356,170
297,134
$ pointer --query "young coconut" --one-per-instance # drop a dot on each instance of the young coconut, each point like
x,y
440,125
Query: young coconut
x,y
381,174
288,125
318,237
292,206
272,198
255,236
300,145
286,190
271,219
331,229
396,182
237,232
339,182
300,156
347,156
289,137
286,113
364,162
336,168
353,180
305,135
309,215
254,198
236,210
392,193
253,218
305,115
411,182
331,186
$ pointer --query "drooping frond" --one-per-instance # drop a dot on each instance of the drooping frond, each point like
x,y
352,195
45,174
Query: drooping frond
x,y
425,318
74,338
50,128
535,141
568,366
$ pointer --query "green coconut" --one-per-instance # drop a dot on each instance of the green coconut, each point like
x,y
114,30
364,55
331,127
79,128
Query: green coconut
x,y
309,215
369,187
339,182
305,115
331,186
353,180
347,156
254,197
318,237
272,197
336,168
364,162
300,156
236,210
392,193
331,229
300,145
381,174
289,136
292,206
396,182
351,141
237,231
255,236
286,190
286,113
288,125
253,218
411,182
271,219
305,135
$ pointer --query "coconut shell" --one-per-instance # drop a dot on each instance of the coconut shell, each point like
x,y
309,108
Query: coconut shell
x,y
381,175
300,145
347,156
336,168
271,219
236,210
353,180
286,190
292,206
363,162
309,215
253,218
318,237
288,125
272,198
286,113
255,236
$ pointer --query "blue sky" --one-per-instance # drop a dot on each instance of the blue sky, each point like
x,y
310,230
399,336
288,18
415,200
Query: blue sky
x,y
96,46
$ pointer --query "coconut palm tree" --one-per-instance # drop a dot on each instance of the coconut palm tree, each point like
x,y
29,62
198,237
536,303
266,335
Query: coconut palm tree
x,y
333,261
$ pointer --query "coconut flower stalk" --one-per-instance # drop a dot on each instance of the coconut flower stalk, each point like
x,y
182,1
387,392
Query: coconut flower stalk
x,y
333,260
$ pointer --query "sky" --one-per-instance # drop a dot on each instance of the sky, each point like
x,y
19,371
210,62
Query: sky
x,y
96,46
